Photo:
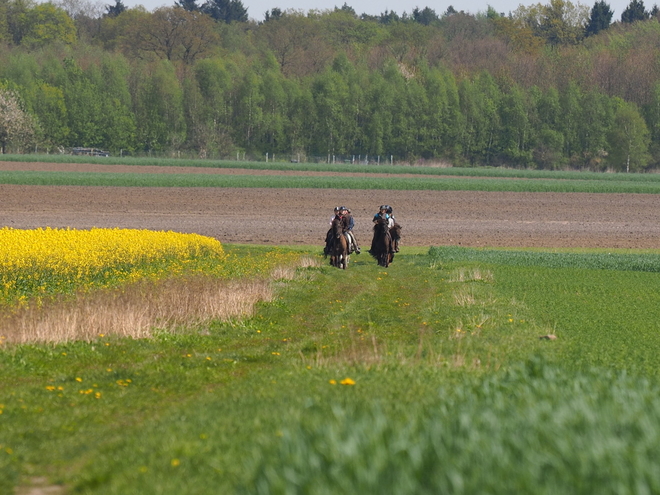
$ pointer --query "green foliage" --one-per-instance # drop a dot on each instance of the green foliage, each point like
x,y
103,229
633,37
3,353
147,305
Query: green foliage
x,y
534,428
334,83
44,24
628,140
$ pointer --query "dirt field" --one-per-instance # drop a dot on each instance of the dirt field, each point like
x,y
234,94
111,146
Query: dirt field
x,y
301,216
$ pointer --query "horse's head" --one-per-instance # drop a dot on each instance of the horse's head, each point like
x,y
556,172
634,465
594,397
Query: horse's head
x,y
337,228
381,226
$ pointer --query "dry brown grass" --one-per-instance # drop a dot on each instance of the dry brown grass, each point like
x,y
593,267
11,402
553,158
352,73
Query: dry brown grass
x,y
138,309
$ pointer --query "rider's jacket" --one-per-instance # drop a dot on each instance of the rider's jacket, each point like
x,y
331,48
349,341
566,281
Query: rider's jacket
x,y
350,223
390,219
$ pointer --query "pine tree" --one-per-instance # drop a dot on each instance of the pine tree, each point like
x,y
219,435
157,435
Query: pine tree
x,y
635,11
600,19
226,10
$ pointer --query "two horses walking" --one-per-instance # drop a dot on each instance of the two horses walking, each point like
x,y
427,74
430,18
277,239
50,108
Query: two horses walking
x,y
382,245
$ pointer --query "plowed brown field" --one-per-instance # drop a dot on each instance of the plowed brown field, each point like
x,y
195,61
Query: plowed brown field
x,y
301,216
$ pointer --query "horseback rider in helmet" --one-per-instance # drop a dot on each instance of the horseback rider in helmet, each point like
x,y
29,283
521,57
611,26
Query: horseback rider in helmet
x,y
395,229
329,240
385,211
349,223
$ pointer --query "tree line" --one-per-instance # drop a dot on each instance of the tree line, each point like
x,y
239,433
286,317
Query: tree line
x,y
546,86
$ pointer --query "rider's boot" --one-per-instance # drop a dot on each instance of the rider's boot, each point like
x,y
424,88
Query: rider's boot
x,y
356,247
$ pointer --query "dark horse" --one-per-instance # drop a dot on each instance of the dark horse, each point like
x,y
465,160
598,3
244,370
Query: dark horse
x,y
339,251
381,246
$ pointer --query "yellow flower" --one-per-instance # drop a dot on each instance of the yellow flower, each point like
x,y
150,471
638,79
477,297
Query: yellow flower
x,y
333,382
347,381
175,462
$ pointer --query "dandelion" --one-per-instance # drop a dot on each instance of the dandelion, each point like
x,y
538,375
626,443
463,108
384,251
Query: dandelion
x,y
347,381
78,379
276,353
175,462
333,382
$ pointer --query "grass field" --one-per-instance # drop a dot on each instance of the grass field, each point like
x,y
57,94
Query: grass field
x,y
330,182
501,172
426,377
438,179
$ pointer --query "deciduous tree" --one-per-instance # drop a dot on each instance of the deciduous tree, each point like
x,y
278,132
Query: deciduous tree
x,y
45,24
174,34
628,139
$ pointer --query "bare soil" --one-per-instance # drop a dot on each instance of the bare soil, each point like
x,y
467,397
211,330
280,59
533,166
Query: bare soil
x,y
301,216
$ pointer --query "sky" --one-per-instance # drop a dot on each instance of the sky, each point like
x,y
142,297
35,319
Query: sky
x,y
257,8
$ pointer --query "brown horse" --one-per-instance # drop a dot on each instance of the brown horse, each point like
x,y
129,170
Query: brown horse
x,y
339,251
381,245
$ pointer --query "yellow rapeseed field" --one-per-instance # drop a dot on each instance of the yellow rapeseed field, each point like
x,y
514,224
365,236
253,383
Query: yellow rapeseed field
x,y
46,262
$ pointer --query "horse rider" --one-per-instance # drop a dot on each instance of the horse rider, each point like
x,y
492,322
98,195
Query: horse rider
x,y
385,211
348,224
329,240
395,232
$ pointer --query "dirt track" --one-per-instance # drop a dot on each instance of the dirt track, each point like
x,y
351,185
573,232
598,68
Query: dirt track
x,y
301,216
